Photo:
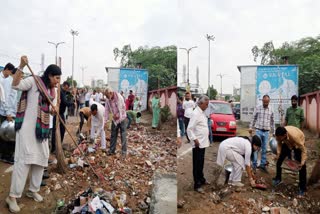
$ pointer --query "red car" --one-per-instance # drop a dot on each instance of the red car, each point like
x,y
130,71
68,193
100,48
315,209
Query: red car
x,y
222,118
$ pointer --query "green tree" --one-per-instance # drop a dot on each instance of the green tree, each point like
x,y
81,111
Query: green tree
x,y
237,98
69,80
160,62
304,52
213,93
227,98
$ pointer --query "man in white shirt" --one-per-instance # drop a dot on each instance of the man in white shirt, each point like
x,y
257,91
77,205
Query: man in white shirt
x,y
87,98
94,95
188,105
97,123
198,134
99,96
9,107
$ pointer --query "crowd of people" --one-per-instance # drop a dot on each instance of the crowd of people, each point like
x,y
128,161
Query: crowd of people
x,y
242,151
28,102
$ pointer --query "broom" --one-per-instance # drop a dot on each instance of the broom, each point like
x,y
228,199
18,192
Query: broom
x,y
61,162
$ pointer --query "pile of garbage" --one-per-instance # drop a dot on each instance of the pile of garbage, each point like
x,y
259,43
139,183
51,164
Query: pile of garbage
x,y
117,185
97,201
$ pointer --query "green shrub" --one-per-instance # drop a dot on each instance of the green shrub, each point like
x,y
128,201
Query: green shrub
x,y
165,113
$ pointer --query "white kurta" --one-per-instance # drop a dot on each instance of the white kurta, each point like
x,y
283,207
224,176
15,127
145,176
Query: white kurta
x,y
237,150
97,124
28,149
239,146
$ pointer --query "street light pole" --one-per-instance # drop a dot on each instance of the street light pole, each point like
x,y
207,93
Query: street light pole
x,y
188,51
73,33
82,68
221,75
209,38
56,45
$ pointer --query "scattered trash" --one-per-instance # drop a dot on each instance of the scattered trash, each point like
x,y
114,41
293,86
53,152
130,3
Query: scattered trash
x,y
73,165
148,163
120,186
266,209
57,187
60,203
181,203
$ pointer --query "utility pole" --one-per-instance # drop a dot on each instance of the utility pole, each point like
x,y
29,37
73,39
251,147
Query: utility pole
x,y
56,45
82,68
209,38
221,75
73,33
188,51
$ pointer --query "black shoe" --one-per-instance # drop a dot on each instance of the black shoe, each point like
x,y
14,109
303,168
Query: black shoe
x,y
9,160
206,183
43,183
276,182
110,153
45,175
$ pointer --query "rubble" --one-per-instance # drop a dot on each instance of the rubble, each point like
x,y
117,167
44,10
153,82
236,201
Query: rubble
x,y
295,202
215,197
181,203
251,200
57,187
266,209
125,185
275,210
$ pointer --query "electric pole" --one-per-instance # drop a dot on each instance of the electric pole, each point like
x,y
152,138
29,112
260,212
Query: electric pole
x,y
221,75
209,38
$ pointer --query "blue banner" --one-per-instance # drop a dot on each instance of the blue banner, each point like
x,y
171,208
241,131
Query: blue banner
x,y
280,83
135,80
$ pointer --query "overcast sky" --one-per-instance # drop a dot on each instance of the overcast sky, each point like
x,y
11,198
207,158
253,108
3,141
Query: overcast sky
x,y
238,25
27,26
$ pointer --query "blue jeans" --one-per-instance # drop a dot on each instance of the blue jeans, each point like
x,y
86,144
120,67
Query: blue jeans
x,y
264,136
181,126
210,130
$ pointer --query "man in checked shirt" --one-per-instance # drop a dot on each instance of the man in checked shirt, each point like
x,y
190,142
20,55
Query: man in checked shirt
x,y
263,123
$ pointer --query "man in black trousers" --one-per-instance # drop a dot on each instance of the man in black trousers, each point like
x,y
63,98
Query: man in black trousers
x,y
198,133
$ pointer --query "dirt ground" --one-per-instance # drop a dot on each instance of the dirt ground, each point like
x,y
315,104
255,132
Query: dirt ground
x,y
245,199
148,150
